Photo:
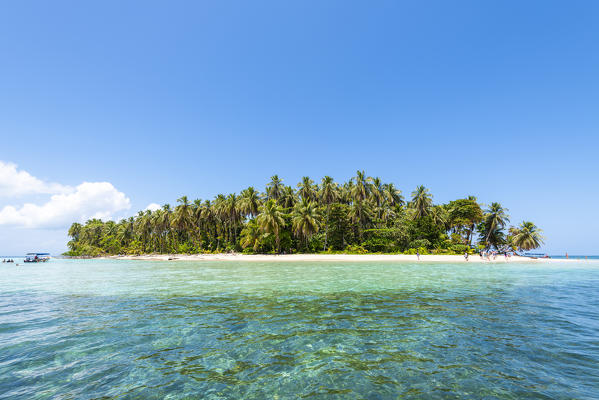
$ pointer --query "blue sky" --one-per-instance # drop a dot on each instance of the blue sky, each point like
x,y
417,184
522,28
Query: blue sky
x,y
494,99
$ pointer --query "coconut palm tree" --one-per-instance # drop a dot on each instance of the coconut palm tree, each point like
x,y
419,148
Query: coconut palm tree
x,y
361,190
392,195
306,189
346,192
125,232
422,201
274,188
376,191
270,220
210,222
495,218
232,215
328,194
361,215
305,220
75,231
251,236
288,198
220,213
182,218
527,236
164,225
249,202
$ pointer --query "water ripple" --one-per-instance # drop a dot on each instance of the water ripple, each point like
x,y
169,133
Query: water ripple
x,y
487,337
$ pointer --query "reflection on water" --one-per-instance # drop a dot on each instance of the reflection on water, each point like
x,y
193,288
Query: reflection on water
x,y
106,329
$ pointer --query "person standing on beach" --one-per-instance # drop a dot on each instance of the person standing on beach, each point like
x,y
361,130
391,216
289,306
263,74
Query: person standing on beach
x,y
418,255
466,256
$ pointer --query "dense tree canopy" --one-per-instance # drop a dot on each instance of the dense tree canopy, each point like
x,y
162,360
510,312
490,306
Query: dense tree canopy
x,y
361,215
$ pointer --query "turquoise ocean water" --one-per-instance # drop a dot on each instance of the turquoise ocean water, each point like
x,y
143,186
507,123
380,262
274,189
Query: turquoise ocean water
x,y
100,329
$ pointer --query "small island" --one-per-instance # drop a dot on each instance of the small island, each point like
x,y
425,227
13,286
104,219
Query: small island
x,y
361,216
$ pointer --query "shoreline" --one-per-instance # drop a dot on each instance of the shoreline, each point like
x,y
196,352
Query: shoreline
x,y
327,257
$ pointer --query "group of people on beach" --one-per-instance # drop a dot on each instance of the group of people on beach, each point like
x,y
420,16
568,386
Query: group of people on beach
x,y
484,254
10,260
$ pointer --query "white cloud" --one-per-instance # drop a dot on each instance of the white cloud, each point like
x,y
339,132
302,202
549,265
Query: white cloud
x,y
17,183
153,207
89,200
66,205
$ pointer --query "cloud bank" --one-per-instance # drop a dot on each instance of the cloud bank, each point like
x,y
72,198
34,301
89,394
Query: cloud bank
x,y
66,205
18,183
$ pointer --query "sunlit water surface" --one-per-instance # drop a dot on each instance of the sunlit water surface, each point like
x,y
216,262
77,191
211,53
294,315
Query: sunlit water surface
x,y
78,329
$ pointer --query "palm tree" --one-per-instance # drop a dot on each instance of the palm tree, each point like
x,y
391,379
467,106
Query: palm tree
x,y
361,215
75,231
125,232
305,220
495,218
270,220
164,225
220,214
527,236
346,192
249,202
392,195
251,236
182,219
274,188
288,197
210,221
376,191
328,194
231,208
422,202
361,189
306,189
476,218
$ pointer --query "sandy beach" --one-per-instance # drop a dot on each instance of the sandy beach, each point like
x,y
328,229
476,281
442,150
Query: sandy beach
x,y
327,257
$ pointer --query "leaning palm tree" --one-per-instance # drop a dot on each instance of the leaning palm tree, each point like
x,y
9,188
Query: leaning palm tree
x,y
305,220
392,195
422,202
270,220
274,188
251,236
495,218
527,236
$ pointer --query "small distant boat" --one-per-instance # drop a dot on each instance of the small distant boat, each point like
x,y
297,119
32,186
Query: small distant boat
x,y
37,257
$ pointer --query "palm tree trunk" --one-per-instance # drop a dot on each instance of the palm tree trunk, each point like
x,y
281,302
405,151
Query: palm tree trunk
x,y
326,229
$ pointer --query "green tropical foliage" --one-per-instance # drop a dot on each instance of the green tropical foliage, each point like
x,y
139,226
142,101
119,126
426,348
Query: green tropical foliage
x,y
526,236
363,214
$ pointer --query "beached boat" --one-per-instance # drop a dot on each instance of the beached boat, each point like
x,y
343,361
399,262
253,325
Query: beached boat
x,y
37,257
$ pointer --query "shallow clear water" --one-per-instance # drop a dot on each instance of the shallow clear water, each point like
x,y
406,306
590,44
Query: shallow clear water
x,y
83,329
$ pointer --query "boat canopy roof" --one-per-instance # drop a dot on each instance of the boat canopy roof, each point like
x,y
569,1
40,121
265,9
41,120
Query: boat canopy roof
x,y
38,254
